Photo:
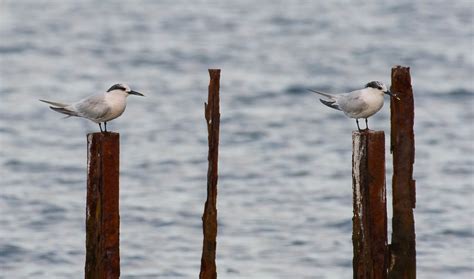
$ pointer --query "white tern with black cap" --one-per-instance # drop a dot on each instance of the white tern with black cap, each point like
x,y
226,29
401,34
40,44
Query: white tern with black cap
x,y
99,108
357,104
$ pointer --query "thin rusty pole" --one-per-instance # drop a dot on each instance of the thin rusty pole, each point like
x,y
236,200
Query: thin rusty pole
x,y
102,213
370,208
209,218
402,248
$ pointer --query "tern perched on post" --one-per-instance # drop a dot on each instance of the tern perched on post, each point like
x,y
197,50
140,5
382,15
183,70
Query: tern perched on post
x,y
99,108
357,104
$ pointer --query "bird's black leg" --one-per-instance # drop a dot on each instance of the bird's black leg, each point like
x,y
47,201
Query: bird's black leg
x,y
366,124
105,124
357,121
100,126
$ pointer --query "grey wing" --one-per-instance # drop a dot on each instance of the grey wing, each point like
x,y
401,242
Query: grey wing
x,y
352,104
93,107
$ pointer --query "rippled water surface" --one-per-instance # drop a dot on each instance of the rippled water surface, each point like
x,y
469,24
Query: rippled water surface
x,y
285,160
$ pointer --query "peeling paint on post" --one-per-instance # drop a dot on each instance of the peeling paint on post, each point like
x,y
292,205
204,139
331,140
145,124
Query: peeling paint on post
x,y
209,218
402,248
369,236
102,213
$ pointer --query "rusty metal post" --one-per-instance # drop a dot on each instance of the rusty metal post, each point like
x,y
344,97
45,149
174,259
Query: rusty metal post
x,y
209,218
102,213
369,236
402,248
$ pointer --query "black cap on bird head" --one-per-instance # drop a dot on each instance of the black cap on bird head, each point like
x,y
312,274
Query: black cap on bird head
x,y
376,85
124,87
118,86
380,86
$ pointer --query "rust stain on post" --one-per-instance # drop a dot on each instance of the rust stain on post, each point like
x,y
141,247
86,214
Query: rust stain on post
x,y
209,218
369,236
102,213
402,248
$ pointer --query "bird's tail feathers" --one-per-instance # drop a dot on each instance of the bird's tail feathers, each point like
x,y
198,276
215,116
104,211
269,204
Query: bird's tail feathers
x,y
329,96
331,100
331,104
56,104
65,111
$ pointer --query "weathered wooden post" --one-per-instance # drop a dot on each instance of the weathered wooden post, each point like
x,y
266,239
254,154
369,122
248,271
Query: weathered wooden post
x,y
402,249
209,218
102,213
370,209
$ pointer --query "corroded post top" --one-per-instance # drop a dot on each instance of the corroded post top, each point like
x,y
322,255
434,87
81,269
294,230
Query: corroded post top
x,y
100,136
105,134
366,132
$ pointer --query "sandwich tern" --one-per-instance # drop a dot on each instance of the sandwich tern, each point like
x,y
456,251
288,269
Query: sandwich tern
x,y
98,108
361,103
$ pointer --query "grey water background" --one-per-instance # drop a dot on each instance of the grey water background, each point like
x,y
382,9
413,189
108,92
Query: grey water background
x,y
285,197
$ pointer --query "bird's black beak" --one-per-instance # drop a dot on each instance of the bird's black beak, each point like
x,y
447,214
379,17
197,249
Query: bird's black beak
x,y
135,93
393,95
